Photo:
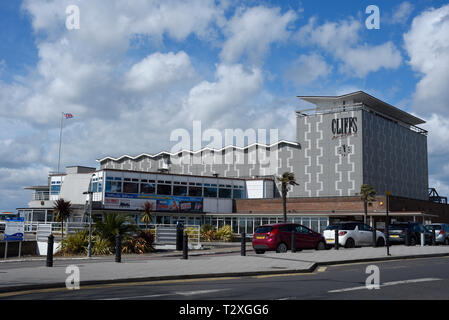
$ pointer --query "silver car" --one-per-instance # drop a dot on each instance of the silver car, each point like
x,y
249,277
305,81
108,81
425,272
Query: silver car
x,y
441,232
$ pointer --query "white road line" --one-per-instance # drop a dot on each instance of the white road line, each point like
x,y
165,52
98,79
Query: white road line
x,y
182,293
386,284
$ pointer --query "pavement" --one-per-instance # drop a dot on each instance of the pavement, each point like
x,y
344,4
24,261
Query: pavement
x,y
219,260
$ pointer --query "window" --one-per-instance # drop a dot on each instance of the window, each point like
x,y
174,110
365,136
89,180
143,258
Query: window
x,y
179,190
55,189
130,187
164,189
302,229
195,191
147,188
237,194
224,193
113,185
286,228
210,192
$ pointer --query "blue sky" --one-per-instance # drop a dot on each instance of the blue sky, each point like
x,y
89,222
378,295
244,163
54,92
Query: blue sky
x,y
133,73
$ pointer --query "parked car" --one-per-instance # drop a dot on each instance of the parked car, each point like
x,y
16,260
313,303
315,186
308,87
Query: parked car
x,y
353,234
398,230
441,232
279,237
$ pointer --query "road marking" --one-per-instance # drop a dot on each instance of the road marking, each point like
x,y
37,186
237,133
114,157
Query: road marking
x,y
182,293
386,284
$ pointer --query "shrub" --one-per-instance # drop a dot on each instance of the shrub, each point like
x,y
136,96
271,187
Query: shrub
x,y
208,232
101,246
74,243
225,234
143,243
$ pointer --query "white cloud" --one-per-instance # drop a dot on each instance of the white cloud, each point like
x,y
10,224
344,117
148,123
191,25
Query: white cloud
x,y
251,32
158,71
399,15
342,40
308,68
427,46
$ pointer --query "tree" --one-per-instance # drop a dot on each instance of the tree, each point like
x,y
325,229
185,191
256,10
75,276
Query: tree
x,y
114,224
63,211
286,180
367,194
147,210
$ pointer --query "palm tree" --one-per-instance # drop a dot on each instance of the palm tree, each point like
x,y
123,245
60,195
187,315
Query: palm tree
x,y
63,211
286,180
367,193
147,210
114,224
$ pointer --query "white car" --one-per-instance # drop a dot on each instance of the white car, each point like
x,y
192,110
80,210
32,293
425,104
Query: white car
x,y
353,234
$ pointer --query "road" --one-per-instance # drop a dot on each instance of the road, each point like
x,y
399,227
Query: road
x,y
403,279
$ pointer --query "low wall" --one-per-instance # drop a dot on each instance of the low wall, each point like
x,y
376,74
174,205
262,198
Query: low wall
x,y
28,248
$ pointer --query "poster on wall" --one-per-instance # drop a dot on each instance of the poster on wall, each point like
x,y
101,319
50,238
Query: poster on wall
x,y
159,203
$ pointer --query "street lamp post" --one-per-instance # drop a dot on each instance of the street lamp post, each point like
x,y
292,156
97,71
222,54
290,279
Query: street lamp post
x,y
89,206
387,221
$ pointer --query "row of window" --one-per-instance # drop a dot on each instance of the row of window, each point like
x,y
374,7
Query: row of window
x,y
181,189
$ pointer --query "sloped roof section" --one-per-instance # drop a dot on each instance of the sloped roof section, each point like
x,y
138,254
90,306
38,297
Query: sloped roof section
x,y
368,100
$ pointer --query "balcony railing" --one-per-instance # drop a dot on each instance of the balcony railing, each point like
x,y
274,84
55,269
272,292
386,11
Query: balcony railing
x,y
40,195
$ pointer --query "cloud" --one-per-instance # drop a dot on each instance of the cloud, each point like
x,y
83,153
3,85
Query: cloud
x,y
400,14
158,71
342,40
251,31
427,46
308,68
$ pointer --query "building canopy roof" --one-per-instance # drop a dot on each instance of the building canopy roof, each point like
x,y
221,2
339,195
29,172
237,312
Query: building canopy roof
x,y
368,100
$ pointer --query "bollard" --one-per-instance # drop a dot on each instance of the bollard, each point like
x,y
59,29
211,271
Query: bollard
x,y
406,238
374,238
185,247
293,241
179,235
118,248
423,239
6,249
51,240
336,239
243,245
434,241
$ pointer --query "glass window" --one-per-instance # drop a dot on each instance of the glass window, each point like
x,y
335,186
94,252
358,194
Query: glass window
x,y
39,215
113,186
179,190
323,224
314,224
55,189
164,189
235,227
195,191
100,188
249,225
302,229
130,187
148,188
242,225
237,194
210,192
224,193
265,221
94,187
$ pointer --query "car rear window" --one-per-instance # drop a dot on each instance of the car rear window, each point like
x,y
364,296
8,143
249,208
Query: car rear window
x,y
342,226
331,227
398,226
263,229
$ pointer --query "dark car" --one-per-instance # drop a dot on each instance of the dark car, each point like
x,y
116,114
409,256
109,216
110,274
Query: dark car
x,y
398,230
279,237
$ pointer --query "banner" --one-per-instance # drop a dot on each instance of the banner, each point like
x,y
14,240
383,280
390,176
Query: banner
x,y
134,201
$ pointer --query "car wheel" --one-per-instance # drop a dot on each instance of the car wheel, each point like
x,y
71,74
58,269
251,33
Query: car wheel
x,y
321,246
282,248
260,251
380,242
350,243
412,241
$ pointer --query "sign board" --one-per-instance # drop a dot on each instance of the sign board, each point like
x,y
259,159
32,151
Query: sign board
x,y
14,229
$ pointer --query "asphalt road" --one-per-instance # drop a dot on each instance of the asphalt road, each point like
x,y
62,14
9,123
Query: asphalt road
x,y
403,279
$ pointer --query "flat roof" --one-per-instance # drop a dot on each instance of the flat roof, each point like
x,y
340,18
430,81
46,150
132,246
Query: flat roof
x,y
370,101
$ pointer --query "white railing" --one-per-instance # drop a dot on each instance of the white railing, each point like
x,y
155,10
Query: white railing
x,y
40,195
166,233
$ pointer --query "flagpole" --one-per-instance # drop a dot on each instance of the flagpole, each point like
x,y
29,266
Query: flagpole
x,y
60,138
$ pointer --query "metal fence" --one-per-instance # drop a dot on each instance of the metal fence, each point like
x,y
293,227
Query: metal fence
x,y
166,233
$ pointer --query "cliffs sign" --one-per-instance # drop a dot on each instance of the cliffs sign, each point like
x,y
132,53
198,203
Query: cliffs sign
x,y
343,127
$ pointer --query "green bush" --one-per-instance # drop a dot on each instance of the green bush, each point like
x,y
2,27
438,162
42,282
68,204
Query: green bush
x,y
74,243
101,246
143,243
208,232
225,234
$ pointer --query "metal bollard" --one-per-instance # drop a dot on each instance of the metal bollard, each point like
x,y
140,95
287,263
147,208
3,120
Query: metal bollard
x,y
50,242
293,240
374,238
179,236
423,239
434,241
336,239
243,245
118,248
185,247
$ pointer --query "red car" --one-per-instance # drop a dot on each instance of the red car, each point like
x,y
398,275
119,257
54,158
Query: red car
x,y
279,237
